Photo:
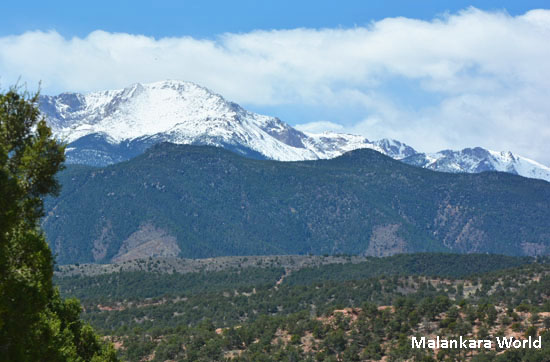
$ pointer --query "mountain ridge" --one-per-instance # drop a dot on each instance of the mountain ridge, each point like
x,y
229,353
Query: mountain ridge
x,y
200,201
111,126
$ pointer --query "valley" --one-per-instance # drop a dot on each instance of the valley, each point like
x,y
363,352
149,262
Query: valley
x,y
327,308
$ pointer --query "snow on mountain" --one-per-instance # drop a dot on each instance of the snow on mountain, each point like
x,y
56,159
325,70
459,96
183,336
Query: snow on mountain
x,y
109,126
508,162
474,160
115,125
332,144
394,148
178,112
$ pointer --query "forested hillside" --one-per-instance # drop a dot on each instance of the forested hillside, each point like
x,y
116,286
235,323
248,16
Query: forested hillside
x,y
195,201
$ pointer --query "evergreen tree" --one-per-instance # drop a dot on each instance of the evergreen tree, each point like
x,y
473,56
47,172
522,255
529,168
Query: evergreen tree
x,y
35,323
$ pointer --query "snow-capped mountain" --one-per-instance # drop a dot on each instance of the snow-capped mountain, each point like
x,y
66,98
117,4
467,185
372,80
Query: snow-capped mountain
x,y
474,160
331,144
106,127
177,112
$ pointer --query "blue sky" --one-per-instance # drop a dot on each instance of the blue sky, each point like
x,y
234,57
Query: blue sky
x,y
208,18
434,74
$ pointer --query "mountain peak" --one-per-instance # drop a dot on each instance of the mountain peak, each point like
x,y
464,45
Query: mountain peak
x,y
109,126
136,111
477,159
173,111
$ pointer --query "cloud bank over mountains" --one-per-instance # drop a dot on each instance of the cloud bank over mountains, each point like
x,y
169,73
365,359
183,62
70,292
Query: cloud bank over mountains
x,y
474,78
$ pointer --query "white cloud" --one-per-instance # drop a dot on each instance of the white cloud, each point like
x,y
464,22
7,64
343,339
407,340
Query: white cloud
x,y
486,74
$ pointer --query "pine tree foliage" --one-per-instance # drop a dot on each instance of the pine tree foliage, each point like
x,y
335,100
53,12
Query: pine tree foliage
x,y
35,323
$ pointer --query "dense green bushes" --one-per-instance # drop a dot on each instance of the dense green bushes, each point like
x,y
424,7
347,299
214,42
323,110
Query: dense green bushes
x,y
244,314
